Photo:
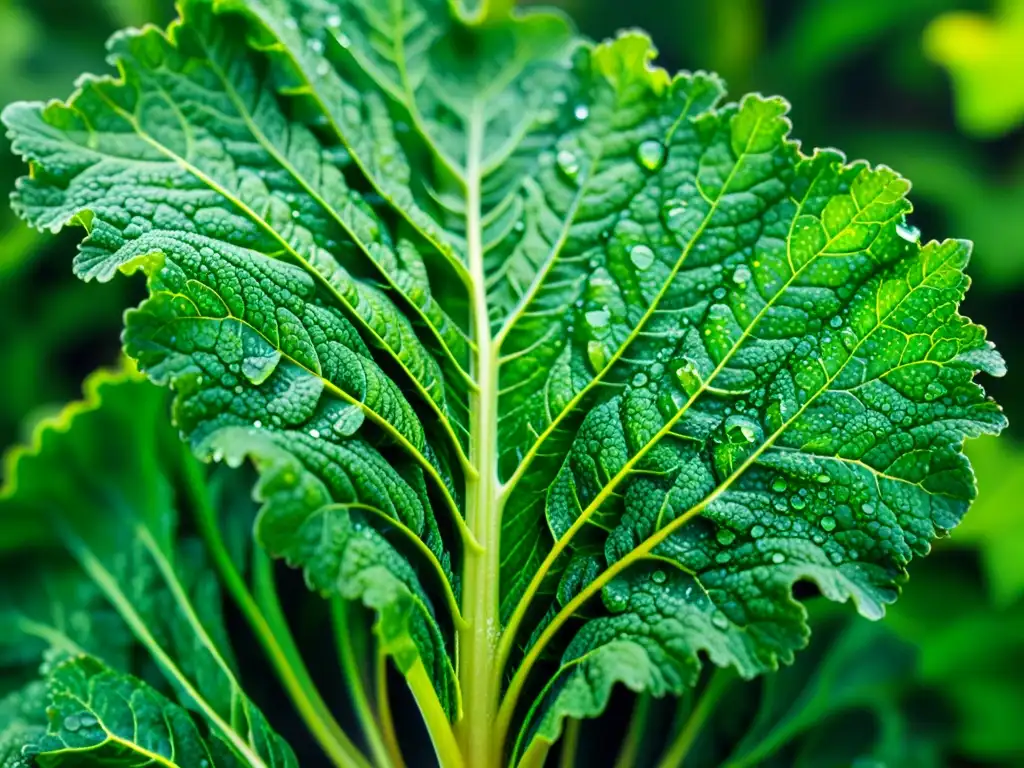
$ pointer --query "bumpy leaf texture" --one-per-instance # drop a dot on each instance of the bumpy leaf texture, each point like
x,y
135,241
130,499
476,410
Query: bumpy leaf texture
x,y
427,270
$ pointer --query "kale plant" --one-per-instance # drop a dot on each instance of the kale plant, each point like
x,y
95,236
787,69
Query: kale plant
x,y
557,372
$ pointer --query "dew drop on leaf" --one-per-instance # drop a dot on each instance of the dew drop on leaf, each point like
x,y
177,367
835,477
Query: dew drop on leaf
x,y
797,502
597,356
597,318
778,558
828,523
741,275
779,484
688,376
719,620
72,723
639,380
315,434
334,21
725,537
741,436
868,509
582,112
650,154
615,596
257,368
641,256
757,531
568,164
658,577
349,420
908,232
836,321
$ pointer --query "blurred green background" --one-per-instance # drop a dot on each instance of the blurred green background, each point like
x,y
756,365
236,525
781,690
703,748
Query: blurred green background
x,y
933,88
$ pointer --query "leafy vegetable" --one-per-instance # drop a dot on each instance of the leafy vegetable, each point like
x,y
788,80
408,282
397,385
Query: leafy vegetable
x,y
541,353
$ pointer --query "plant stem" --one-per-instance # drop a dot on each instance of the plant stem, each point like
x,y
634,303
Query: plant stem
x,y
480,579
634,736
681,745
570,744
343,631
271,630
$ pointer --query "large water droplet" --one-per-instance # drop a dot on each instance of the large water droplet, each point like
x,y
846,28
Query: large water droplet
x,y
334,21
797,502
88,720
757,531
650,154
639,380
836,321
725,537
597,318
688,376
258,367
778,558
740,438
72,723
582,112
675,214
349,420
641,256
741,275
719,620
828,523
867,509
658,577
597,355
779,484
908,232
568,164
615,596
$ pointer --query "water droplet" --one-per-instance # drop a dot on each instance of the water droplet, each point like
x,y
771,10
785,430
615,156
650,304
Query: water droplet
x,y
316,46
658,577
719,620
568,164
321,71
258,367
823,478
741,436
641,256
582,112
615,596
779,484
650,154
334,21
849,338
639,380
597,355
344,41
797,502
719,293
836,321
828,523
725,537
597,318
908,232
258,424
315,434
688,376
349,420
741,275
675,214
88,720
934,391
72,723
868,509
778,558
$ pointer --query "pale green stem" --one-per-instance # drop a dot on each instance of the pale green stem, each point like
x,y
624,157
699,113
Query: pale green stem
x,y
570,744
634,736
355,681
702,710
384,716
268,623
